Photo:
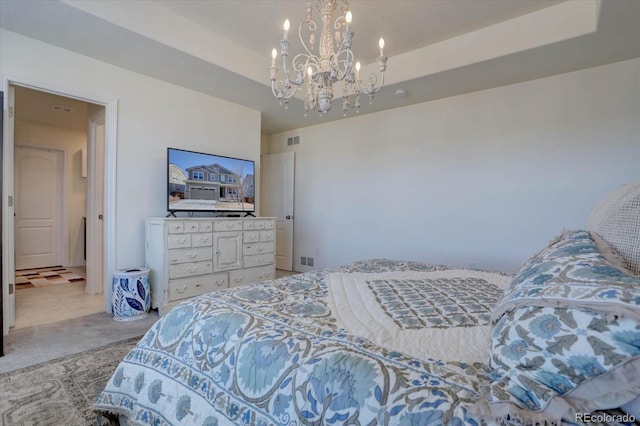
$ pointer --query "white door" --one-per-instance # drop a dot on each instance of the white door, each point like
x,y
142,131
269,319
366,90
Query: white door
x,y
8,252
95,203
38,207
277,201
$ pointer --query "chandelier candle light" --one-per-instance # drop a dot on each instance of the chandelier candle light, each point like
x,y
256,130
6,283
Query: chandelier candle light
x,y
333,64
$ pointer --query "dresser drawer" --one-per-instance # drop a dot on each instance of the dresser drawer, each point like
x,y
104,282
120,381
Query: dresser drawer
x,y
202,240
250,236
264,224
178,241
257,248
182,270
175,227
195,286
191,227
267,235
227,225
258,260
251,275
190,255
205,227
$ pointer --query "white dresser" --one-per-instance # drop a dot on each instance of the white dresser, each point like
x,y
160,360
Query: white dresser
x,y
191,256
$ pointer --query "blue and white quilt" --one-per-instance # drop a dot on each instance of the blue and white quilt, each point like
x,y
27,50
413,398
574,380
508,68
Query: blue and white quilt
x,y
279,353
273,354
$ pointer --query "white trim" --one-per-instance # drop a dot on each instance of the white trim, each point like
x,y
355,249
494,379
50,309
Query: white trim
x,y
110,173
111,131
8,257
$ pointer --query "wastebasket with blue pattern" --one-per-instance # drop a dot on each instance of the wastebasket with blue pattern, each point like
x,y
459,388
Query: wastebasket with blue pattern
x,y
130,298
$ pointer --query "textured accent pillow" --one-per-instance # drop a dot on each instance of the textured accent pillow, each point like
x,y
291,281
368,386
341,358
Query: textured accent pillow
x,y
616,218
571,272
567,335
550,363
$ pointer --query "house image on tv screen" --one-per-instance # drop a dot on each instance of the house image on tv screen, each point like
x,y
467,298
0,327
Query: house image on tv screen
x,y
212,182
210,187
177,179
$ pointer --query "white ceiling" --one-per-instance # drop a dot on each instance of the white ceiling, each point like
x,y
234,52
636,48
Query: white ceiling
x,y
52,110
436,48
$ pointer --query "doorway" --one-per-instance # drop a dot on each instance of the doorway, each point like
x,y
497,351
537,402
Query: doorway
x,y
51,192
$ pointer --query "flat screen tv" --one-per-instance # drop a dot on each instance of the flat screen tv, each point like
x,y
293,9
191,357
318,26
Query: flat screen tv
x,y
199,182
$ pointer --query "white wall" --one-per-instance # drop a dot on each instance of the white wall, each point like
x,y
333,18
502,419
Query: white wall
x,y
152,115
481,179
71,142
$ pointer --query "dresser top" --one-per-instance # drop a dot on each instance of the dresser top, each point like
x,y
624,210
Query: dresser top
x,y
206,219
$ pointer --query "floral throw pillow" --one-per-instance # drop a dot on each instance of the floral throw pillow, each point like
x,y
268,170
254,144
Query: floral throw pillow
x,y
566,337
549,363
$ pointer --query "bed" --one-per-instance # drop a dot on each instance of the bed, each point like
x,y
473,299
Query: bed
x,y
387,342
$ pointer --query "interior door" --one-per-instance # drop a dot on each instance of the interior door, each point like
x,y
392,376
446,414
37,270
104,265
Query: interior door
x,y
38,207
95,203
8,252
1,228
277,201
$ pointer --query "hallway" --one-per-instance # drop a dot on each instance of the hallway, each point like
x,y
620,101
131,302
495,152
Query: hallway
x,y
56,302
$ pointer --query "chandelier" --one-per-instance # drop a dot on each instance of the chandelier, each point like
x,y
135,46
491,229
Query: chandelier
x,y
334,62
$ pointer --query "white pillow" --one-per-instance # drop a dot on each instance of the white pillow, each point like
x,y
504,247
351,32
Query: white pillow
x,y
616,218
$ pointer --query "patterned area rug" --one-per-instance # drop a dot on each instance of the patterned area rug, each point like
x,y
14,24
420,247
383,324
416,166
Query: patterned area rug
x,y
40,277
60,392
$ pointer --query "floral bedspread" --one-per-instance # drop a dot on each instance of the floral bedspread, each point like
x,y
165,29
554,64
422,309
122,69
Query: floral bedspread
x,y
272,354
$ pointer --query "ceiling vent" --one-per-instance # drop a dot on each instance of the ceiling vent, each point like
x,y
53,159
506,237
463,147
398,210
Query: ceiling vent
x,y
61,108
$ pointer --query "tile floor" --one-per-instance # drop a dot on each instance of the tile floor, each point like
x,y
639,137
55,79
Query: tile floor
x,y
57,302
41,277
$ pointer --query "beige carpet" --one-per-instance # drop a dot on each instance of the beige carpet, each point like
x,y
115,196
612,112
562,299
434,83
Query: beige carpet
x,y
35,344
61,391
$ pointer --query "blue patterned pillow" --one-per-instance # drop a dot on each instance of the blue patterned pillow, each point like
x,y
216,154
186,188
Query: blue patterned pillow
x,y
572,272
567,335
550,363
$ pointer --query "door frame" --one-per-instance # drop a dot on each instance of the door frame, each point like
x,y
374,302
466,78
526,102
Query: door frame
x,y
62,223
110,105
